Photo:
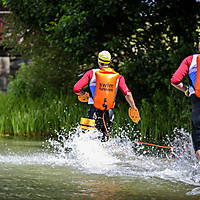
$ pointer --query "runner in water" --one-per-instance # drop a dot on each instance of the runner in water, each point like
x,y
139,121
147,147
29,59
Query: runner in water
x,y
103,84
190,66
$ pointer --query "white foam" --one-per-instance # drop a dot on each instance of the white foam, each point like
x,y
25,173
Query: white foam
x,y
118,157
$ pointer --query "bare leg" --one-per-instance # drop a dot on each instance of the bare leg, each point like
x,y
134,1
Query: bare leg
x,y
198,155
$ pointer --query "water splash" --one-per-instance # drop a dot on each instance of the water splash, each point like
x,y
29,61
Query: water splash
x,y
124,158
84,151
195,191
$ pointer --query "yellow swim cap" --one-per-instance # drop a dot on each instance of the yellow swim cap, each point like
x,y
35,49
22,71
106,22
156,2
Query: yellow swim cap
x,y
104,57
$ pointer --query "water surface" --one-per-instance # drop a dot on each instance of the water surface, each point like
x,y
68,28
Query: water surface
x,y
81,167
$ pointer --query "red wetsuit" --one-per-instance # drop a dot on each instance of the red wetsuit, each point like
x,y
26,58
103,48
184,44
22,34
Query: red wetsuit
x,y
177,78
181,71
88,76
109,115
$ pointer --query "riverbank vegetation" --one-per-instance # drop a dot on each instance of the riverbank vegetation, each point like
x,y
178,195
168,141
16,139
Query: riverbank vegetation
x,y
47,115
24,115
147,39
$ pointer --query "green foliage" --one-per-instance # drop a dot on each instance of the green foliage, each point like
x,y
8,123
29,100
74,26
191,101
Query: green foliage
x,y
148,40
49,69
81,28
49,72
46,115
3,3
163,113
154,70
39,116
39,78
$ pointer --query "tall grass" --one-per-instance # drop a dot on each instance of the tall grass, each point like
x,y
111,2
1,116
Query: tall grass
x,y
45,115
164,113
39,117
160,115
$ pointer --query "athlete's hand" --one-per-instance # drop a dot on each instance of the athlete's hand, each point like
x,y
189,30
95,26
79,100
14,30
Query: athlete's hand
x,y
84,97
187,94
134,114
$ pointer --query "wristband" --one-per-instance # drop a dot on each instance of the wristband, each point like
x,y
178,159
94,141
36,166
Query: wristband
x,y
187,90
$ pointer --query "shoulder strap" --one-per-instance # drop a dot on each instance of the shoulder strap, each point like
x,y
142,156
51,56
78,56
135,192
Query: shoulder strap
x,y
190,83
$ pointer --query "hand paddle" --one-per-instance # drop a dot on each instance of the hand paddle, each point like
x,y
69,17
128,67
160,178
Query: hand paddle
x,y
134,115
84,98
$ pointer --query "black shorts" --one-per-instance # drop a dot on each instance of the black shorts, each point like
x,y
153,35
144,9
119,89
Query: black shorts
x,y
97,114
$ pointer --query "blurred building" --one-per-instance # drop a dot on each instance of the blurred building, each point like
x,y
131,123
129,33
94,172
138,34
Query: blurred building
x,y
8,65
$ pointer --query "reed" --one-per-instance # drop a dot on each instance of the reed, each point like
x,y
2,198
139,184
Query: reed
x,y
38,117
48,114
163,114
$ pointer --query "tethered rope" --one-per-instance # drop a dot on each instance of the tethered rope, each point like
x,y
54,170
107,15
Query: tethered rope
x,y
107,131
150,144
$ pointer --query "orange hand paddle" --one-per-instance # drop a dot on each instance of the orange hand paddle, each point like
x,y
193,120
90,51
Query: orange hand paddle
x,y
134,114
84,98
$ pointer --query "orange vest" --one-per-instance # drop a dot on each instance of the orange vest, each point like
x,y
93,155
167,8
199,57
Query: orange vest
x,y
106,88
197,83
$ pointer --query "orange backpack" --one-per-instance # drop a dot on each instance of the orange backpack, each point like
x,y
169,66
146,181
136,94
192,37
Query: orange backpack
x,y
197,83
106,88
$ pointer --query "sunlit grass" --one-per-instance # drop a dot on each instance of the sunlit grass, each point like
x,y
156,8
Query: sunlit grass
x,y
38,117
44,116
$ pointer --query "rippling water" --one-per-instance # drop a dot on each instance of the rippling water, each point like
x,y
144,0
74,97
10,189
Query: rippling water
x,y
82,167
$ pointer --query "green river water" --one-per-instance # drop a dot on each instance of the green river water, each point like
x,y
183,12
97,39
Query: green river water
x,y
84,168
